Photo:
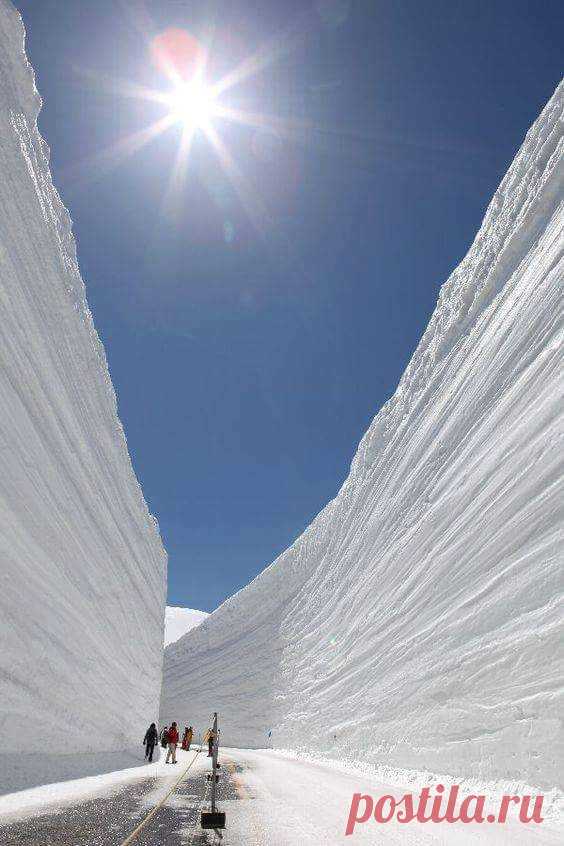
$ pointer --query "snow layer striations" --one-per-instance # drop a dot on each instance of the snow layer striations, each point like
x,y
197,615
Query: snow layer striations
x,y
83,569
416,622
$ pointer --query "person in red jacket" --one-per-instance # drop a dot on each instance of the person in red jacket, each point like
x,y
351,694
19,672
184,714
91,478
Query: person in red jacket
x,y
172,741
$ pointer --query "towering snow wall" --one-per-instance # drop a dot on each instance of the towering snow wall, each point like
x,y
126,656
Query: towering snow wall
x,y
83,570
415,623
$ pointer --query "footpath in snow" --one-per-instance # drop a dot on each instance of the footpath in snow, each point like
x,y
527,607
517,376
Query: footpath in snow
x,y
102,810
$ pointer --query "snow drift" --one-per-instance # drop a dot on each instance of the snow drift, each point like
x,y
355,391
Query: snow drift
x,y
83,569
178,621
416,622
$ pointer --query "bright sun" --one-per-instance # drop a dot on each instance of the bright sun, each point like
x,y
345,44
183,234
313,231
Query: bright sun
x,y
192,104
198,107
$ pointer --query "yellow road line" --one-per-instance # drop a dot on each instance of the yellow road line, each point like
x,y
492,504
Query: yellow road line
x,y
244,793
142,824
239,786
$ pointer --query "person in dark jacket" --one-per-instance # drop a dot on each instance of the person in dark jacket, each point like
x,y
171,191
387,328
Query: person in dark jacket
x,y
151,737
164,737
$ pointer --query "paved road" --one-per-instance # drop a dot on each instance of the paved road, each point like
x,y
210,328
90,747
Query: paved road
x,y
108,821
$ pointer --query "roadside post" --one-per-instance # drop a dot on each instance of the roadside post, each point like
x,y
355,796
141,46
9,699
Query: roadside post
x,y
214,819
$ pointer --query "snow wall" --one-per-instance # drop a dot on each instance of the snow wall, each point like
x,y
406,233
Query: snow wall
x,y
83,570
415,624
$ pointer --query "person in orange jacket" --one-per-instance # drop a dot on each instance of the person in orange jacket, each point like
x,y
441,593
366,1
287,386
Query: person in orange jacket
x,y
187,739
210,739
172,741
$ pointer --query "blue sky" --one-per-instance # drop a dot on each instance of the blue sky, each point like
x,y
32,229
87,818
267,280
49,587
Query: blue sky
x,y
249,356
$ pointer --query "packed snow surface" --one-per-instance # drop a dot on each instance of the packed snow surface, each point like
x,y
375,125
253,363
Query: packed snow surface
x,y
286,800
417,622
83,568
178,621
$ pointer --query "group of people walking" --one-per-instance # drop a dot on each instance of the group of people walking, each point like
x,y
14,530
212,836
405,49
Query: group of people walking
x,y
169,738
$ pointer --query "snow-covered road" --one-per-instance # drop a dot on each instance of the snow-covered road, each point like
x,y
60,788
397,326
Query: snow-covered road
x,y
270,799
286,801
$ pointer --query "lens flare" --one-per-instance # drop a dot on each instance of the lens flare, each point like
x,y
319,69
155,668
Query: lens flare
x,y
178,54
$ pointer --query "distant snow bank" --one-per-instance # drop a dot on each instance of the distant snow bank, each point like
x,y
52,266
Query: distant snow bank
x,y
178,621
417,623
83,568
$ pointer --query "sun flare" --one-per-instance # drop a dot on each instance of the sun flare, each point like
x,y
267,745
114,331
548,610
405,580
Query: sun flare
x,y
189,102
192,104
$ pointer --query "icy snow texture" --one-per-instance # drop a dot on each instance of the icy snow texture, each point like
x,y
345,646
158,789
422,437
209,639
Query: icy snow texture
x,y
83,570
416,622
178,621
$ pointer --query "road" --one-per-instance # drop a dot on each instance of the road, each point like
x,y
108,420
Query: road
x,y
270,800
108,820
